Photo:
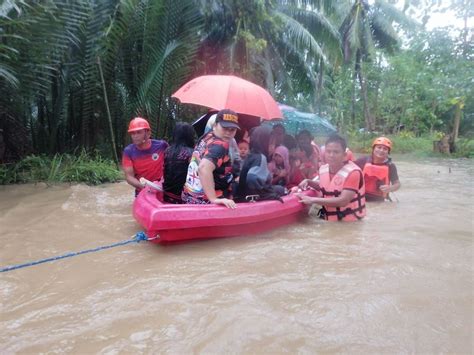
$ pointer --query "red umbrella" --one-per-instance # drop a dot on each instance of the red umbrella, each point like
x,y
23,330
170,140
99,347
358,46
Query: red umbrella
x,y
229,92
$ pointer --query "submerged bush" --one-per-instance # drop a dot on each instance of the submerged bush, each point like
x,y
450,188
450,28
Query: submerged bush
x,y
85,168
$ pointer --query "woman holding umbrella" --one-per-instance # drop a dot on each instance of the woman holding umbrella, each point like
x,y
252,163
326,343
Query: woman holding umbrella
x,y
210,170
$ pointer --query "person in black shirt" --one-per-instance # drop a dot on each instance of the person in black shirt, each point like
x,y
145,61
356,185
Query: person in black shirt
x,y
177,157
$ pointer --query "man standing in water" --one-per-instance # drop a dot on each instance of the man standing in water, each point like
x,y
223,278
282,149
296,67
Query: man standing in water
x,y
210,170
341,185
380,174
144,157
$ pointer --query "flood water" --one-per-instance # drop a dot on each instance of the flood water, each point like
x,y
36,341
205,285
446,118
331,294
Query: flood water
x,y
401,281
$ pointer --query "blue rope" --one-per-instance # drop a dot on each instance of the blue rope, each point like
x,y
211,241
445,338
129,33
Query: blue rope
x,y
136,239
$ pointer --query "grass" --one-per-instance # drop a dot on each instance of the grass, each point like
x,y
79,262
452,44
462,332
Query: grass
x,y
92,170
407,143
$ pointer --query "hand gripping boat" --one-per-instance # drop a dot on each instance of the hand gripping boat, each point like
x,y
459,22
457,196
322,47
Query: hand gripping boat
x,y
174,223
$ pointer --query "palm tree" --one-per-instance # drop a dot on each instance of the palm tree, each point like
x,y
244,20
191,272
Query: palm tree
x,y
364,28
51,82
276,43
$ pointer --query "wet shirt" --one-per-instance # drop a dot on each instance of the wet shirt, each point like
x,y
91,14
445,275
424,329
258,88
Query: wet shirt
x,y
147,163
217,151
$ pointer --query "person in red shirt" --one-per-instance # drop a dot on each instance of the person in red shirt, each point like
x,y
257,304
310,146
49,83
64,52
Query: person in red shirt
x,y
144,157
341,184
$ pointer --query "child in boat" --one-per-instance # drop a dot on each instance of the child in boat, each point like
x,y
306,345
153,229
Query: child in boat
x,y
177,157
295,173
310,160
243,149
280,166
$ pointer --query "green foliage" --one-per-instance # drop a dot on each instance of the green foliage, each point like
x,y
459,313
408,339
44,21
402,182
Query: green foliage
x,y
55,92
52,98
464,148
403,143
276,43
61,168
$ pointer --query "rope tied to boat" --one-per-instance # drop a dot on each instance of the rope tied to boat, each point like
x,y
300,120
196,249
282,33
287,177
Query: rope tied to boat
x,y
137,238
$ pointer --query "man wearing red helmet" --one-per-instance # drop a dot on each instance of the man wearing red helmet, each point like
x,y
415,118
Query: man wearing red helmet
x,y
380,174
145,156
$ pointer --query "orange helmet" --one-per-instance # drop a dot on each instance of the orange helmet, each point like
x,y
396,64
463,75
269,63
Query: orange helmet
x,y
137,124
382,141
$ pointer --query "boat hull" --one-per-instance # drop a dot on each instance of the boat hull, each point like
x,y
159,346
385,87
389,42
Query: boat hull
x,y
174,223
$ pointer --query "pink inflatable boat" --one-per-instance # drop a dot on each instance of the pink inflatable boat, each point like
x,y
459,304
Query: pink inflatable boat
x,y
173,223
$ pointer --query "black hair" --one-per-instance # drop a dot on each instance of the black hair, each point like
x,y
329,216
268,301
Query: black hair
x,y
304,132
335,138
260,140
183,135
289,141
279,125
306,148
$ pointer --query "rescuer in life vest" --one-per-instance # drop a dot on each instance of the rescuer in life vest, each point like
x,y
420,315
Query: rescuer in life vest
x,y
380,174
341,185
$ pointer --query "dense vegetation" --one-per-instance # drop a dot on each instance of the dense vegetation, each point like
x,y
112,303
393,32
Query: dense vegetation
x,y
73,73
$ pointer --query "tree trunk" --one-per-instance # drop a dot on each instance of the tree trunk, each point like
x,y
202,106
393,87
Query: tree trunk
x,y
269,78
369,121
457,120
319,88
353,103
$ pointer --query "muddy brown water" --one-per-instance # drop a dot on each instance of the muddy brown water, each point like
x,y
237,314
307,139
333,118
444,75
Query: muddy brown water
x,y
399,282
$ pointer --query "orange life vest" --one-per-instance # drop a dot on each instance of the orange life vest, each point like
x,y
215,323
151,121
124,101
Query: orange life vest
x,y
353,211
375,176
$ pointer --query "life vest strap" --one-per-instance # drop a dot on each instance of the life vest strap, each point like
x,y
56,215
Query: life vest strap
x,y
341,214
330,193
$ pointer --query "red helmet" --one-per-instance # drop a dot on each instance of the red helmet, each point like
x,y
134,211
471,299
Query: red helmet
x,y
382,141
137,124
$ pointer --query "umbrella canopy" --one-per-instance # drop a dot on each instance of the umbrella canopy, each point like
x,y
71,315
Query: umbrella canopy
x,y
229,92
296,121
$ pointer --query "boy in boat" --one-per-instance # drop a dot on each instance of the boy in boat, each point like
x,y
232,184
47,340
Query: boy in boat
x,y
380,174
210,170
144,157
341,184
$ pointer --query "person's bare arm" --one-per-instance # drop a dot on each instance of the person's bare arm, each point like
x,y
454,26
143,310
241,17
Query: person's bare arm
x,y
206,168
340,201
130,177
313,183
390,188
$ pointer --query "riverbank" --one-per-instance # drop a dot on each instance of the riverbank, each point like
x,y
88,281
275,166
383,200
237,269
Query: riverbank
x,y
407,143
94,169
85,168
